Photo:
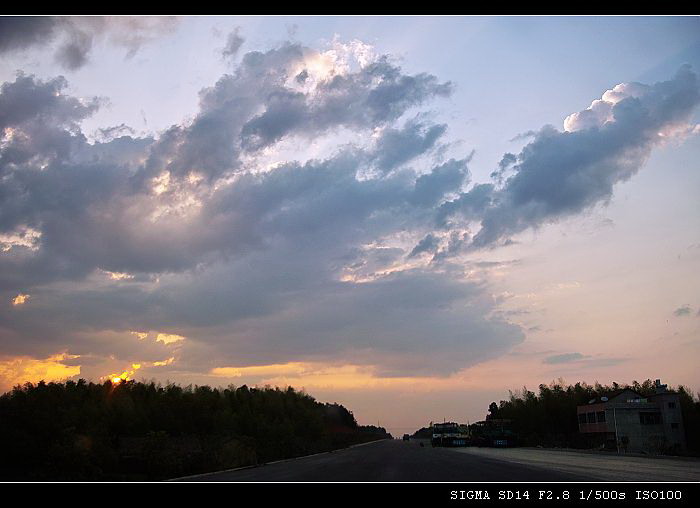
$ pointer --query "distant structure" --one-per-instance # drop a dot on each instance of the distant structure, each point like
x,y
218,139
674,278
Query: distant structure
x,y
629,422
449,434
493,432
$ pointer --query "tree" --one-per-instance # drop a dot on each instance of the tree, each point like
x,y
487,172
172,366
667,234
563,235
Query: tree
x,y
145,431
493,411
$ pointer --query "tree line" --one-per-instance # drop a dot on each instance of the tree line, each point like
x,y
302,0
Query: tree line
x,y
80,430
548,418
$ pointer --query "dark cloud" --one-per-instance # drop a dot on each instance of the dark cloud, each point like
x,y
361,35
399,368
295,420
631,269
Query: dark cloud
x,y
504,165
260,266
27,101
253,311
373,96
429,243
111,133
19,32
73,54
470,205
397,146
39,124
260,104
76,35
233,43
448,177
559,174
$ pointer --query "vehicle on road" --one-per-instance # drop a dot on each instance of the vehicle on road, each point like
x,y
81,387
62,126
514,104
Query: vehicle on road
x,y
493,432
449,434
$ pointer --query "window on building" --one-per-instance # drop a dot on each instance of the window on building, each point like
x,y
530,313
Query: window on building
x,y
590,417
648,418
671,405
582,417
600,416
674,426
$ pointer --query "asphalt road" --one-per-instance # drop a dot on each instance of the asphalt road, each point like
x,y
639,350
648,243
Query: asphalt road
x,y
390,461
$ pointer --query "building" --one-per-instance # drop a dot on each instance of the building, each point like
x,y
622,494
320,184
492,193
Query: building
x,y
629,422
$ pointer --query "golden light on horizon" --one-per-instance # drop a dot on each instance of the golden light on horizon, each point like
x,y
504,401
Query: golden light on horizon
x,y
355,377
324,376
19,370
124,376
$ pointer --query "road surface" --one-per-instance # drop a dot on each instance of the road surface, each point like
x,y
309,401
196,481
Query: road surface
x,y
601,466
391,461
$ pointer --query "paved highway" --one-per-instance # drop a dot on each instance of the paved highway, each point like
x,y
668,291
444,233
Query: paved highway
x,y
391,461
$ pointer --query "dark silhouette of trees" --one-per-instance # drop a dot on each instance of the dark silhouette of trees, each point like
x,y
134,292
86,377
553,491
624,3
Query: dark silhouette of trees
x,y
80,430
549,419
422,433
493,411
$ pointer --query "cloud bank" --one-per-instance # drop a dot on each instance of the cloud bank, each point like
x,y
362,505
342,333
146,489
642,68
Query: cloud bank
x,y
562,173
305,214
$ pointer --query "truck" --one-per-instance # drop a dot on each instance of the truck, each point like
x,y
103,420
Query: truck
x,y
493,432
449,434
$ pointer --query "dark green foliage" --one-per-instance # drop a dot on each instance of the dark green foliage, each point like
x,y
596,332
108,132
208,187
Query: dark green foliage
x,y
549,419
145,431
423,433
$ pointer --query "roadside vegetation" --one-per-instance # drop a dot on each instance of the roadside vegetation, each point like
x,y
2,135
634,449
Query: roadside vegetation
x,y
548,418
131,430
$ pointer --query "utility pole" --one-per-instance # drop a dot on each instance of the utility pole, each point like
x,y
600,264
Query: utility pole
x,y
617,440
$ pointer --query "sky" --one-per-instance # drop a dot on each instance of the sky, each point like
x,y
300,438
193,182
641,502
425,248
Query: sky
x,y
411,216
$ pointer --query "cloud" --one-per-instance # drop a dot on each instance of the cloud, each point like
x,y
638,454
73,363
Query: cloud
x,y
377,93
18,32
238,232
26,102
20,299
562,173
448,177
169,338
19,370
581,360
683,310
77,35
233,43
192,233
565,358
428,244
398,146
261,370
